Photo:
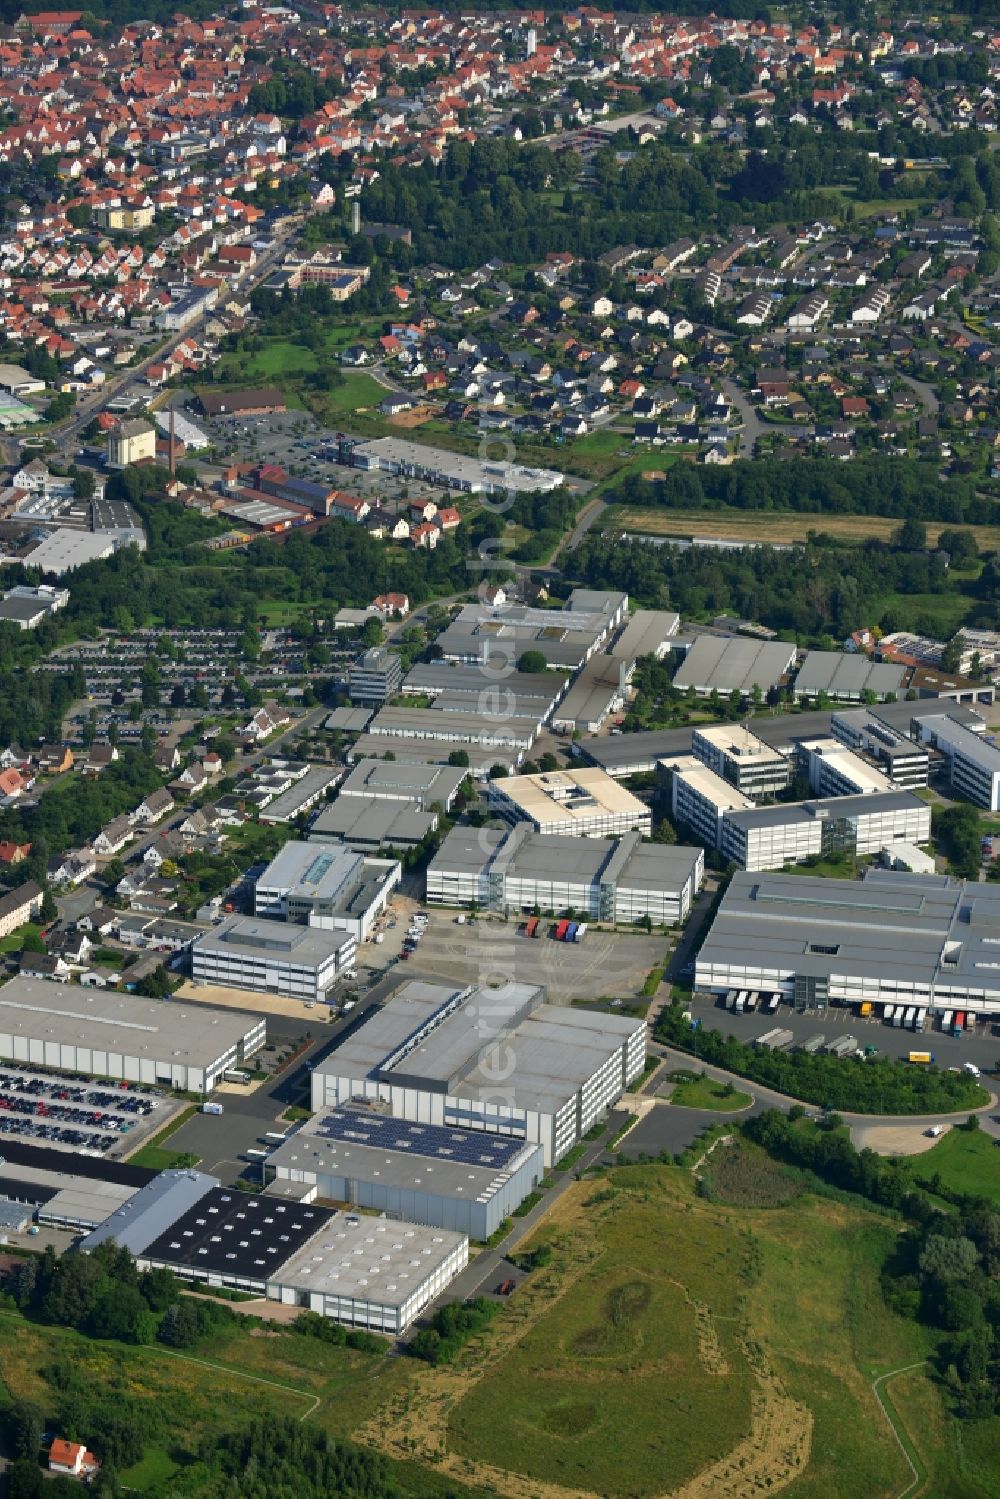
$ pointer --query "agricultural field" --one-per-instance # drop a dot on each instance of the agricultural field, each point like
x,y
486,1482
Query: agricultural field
x,y
773,526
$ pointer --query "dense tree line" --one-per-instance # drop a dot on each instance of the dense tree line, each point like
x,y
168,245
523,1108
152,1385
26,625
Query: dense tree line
x,y
871,485
944,1271
875,1085
811,592
282,1459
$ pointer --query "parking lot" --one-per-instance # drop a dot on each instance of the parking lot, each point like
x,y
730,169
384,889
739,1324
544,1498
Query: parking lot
x,y
604,964
75,1113
306,450
978,1046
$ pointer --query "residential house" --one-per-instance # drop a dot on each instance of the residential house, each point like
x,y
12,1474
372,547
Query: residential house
x,y
113,838
72,1459
99,757
265,721
20,906
154,806
13,853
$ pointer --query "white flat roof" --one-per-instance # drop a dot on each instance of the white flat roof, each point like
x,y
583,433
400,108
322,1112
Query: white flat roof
x,y
570,796
106,1020
369,1259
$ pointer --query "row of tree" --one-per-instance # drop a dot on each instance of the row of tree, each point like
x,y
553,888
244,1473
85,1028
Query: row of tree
x,y
875,1085
871,485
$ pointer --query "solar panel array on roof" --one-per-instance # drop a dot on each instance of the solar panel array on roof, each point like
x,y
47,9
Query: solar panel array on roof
x,y
467,1147
232,1233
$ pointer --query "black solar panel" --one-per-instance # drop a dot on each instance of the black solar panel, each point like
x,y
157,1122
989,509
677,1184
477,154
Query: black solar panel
x,y
438,1142
234,1233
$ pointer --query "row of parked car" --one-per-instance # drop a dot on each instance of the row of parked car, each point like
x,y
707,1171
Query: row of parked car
x,y
40,1108
36,1085
54,1134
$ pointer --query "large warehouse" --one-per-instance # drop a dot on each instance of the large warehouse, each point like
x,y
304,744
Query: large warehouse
x,y
102,1033
575,803
727,664
367,1272
326,885
274,957
612,879
417,785
451,1178
433,1054
924,940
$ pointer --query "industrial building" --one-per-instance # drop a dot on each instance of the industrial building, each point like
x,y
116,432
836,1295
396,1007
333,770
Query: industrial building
x,y
368,824
457,728
451,1178
906,764
599,690
736,754
65,549
432,1054
699,798
727,664
973,763
497,636
611,879
648,633
327,886
301,795
104,1033
923,940
272,957
27,607
370,1272
790,833
64,1190
833,770
414,460
573,803
848,678
488,691
375,677
362,1271
420,786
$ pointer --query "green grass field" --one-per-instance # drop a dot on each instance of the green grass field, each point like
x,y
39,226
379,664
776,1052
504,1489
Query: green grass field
x,y
703,1093
965,1160
611,1390
15,941
676,1280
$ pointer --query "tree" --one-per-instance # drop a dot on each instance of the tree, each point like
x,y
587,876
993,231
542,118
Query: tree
x,y
24,1480
459,758
951,656
372,632
114,871
531,662
25,1424
946,1260
498,772
911,536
